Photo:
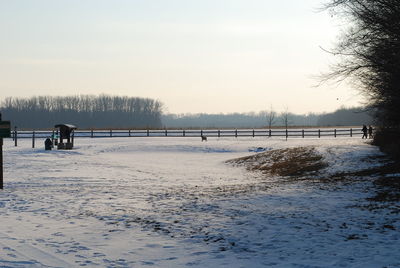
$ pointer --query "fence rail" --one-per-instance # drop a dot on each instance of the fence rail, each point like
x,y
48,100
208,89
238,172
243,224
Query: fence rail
x,y
287,133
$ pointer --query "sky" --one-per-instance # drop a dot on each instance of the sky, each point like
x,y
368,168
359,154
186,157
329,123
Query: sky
x,y
208,56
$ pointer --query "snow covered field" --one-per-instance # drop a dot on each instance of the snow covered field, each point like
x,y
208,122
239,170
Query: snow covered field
x,y
175,202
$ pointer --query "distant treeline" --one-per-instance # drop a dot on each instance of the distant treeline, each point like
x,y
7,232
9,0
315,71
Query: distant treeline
x,y
341,117
234,120
346,117
84,111
104,111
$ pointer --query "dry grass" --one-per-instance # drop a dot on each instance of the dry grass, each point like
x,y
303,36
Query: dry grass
x,y
305,164
289,162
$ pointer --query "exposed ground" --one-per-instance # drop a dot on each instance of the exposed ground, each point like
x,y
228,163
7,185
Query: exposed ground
x,y
295,162
306,163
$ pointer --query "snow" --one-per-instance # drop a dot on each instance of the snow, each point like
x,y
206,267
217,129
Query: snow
x,y
175,202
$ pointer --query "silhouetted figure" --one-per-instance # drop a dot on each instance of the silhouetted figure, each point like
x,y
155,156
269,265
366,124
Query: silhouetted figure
x,y
370,129
48,144
365,132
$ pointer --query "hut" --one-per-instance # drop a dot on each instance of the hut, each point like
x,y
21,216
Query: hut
x,y
66,131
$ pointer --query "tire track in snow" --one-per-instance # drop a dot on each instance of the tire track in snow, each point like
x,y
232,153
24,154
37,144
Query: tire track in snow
x,y
17,248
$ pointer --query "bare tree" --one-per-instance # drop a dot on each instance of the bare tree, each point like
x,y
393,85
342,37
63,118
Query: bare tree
x,y
369,55
271,114
285,120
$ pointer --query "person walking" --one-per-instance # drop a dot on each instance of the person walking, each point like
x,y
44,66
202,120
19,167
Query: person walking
x,y
370,129
365,132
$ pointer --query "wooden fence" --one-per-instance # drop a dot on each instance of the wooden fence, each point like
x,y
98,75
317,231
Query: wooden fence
x,y
286,133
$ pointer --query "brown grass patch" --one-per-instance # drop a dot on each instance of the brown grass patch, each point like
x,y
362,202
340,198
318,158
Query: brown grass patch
x,y
288,162
305,164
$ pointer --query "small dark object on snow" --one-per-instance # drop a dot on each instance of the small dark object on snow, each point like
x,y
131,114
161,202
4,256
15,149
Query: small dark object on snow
x,y
203,138
258,149
48,144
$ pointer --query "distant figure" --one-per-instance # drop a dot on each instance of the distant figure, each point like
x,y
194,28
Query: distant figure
x,y
48,144
370,129
365,132
203,138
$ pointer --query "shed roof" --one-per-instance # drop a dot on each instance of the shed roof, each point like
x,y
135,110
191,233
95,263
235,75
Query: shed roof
x,y
66,125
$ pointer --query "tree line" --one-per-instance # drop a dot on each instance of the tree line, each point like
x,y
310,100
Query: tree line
x,y
265,119
84,111
104,111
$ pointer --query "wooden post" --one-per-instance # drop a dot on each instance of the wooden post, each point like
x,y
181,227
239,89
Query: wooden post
x,y
110,132
5,132
219,133
166,132
302,133
319,133
58,134
1,161
351,132
335,132
253,133
129,131
16,137
148,133
236,133
183,133
270,133
33,139
91,133
52,138
201,132
287,134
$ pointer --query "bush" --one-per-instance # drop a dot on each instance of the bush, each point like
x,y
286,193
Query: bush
x,y
388,140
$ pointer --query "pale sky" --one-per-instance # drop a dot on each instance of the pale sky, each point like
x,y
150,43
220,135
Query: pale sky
x,y
209,56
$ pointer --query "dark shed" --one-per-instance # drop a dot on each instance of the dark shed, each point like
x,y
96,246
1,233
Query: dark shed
x,y
66,131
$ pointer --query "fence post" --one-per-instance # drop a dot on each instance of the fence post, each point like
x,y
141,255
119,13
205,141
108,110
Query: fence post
x,y
253,133
1,161
91,133
166,132
33,139
110,132
236,133
319,133
287,134
129,132
302,133
351,132
201,132
16,137
335,132
148,133
270,133
219,133
184,133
